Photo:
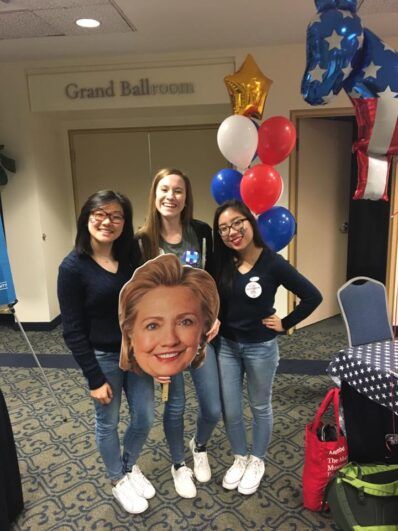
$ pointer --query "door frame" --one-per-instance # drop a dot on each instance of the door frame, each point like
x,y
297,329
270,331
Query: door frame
x,y
391,269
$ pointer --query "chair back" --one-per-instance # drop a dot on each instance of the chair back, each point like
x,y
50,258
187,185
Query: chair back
x,y
363,305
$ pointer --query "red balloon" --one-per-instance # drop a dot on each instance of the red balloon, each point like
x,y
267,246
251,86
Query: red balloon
x,y
276,139
260,187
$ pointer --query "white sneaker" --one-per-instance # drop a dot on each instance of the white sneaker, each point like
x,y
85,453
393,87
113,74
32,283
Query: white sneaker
x,y
183,481
201,465
141,484
128,498
252,476
235,472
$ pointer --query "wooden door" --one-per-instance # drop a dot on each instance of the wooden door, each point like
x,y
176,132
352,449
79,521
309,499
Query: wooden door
x,y
324,167
111,159
125,160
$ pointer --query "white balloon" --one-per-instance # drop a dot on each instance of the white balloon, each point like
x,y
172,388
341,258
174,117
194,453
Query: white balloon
x,y
237,139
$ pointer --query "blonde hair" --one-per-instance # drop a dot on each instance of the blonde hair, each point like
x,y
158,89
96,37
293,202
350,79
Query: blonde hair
x,y
165,270
149,233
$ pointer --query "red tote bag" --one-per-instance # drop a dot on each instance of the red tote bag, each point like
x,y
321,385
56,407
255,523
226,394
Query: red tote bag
x,y
322,459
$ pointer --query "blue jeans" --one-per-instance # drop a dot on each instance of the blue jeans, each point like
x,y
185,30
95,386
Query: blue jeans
x,y
259,361
207,389
139,393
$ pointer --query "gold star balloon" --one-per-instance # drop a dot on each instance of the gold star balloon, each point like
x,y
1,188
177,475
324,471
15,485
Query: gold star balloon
x,y
248,89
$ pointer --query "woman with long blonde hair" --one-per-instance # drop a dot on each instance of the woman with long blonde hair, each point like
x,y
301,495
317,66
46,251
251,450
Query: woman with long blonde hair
x,y
170,228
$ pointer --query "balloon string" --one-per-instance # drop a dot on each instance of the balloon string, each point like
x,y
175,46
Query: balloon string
x,y
360,5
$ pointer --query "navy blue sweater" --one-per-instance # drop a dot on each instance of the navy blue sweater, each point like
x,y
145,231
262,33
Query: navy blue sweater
x,y
241,315
88,297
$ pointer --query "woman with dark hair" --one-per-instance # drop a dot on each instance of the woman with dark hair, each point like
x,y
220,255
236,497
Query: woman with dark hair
x,y
89,281
170,228
248,274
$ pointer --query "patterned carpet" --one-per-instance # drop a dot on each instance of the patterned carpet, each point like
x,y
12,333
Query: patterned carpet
x,y
63,477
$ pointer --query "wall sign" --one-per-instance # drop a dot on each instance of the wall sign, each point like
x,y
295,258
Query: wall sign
x,y
127,88
163,85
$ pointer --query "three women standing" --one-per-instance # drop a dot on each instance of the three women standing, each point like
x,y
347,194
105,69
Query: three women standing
x,y
89,281
248,275
170,228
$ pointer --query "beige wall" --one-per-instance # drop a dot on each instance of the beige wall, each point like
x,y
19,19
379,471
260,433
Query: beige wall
x,y
39,199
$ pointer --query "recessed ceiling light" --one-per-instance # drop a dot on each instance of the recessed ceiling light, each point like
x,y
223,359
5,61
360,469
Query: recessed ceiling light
x,y
88,23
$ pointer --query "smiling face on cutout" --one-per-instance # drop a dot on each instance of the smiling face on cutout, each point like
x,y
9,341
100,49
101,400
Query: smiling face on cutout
x,y
167,330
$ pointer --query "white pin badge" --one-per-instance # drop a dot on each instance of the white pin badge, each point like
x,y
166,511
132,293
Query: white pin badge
x,y
253,288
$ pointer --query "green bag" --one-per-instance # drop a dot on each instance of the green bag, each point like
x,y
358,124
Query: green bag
x,y
364,497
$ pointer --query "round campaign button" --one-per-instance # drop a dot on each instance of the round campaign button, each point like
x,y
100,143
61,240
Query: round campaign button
x,y
253,288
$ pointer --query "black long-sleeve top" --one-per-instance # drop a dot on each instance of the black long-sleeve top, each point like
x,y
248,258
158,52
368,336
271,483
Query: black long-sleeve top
x,y
88,297
241,315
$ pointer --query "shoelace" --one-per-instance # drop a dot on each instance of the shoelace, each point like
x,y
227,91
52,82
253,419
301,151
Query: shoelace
x,y
185,472
122,482
139,477
240,462
256,467
200,458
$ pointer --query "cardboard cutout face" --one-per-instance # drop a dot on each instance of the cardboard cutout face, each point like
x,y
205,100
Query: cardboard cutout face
x,y
165,311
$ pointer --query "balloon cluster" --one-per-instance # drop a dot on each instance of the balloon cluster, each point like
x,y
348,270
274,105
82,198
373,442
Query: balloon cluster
x,y
241,140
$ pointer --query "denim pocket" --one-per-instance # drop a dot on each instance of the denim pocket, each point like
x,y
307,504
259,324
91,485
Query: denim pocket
x,y
108,361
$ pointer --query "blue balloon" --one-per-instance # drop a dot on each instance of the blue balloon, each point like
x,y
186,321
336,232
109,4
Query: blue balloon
x,y
226,185
277,227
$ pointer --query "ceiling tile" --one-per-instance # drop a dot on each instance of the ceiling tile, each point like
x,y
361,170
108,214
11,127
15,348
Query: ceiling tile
x,y
32,5
21,24
169,26
64,19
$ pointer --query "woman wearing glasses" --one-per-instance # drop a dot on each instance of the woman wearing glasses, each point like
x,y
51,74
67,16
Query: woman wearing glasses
x,y
89,281
248,275
170,228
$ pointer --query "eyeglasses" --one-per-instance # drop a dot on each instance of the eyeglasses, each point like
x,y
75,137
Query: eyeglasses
x,y
224,230
100,215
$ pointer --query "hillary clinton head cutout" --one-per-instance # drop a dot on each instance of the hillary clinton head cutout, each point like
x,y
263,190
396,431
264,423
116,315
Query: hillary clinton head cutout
x,y
165,312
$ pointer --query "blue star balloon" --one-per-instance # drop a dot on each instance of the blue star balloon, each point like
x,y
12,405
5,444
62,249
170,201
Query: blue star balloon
x,y
341,54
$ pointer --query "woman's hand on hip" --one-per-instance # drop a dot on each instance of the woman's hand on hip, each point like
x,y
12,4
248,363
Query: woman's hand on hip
x,y
103,394
273,322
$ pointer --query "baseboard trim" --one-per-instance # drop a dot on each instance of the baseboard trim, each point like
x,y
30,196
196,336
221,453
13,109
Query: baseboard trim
x,y
8,319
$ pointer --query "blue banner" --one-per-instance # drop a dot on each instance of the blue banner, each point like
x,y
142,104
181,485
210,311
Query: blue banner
x,y
7,291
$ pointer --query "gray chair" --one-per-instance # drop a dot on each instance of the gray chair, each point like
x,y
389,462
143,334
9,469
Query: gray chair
x,y
363,305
